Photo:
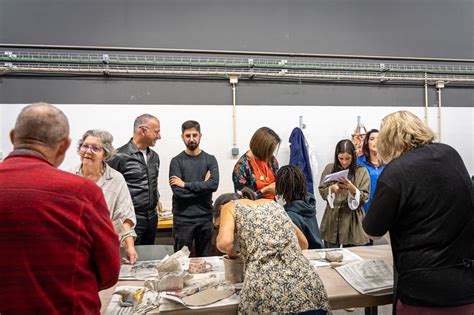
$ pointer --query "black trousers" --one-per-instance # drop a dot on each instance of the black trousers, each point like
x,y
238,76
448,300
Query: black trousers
x,y
201,233
146,229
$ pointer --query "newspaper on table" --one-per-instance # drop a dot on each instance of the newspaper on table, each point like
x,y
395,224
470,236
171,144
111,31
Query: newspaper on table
x,y
141,270
317,257
114,307
153,269
170,300
372,277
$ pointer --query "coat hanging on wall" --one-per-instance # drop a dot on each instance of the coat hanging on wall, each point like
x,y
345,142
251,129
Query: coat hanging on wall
x,y
299,156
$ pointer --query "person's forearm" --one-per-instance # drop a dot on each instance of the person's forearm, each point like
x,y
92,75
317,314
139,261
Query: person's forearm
x,y
184,193
224,246
202,187
128,225
128,242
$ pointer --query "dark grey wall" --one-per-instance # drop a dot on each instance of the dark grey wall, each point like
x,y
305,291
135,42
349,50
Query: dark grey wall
x,y
430,28
119,91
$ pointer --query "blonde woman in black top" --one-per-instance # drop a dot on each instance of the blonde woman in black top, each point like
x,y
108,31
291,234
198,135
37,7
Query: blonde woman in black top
x,y
425,199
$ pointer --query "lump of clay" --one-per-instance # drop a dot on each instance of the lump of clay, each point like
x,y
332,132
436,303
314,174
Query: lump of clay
x,y
127,298
169,265
334,256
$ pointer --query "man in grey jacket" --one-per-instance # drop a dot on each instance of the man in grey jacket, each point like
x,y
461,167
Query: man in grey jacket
x,y
194,176
139,166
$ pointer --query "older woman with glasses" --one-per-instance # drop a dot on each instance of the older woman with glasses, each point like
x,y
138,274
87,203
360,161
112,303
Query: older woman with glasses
x,y
94,148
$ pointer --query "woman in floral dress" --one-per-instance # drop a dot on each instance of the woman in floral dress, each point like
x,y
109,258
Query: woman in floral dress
x,y
278,278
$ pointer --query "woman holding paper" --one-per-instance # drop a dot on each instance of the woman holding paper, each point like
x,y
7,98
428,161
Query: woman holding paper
x,y
345,196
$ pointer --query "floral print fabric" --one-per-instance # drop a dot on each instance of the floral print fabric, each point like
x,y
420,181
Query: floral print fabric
x,y
278,278
244,175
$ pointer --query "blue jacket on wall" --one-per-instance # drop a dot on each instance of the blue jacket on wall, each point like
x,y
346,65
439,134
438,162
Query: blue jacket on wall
x,y
299,156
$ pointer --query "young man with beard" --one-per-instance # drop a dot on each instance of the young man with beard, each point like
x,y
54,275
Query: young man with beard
x,y
194,176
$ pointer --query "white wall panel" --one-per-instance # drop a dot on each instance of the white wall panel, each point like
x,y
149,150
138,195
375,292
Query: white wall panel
x,y
326,125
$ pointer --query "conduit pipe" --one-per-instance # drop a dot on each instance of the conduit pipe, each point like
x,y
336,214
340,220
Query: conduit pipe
x,y
232,52
234,80
225,74
439,86
160,61
426,98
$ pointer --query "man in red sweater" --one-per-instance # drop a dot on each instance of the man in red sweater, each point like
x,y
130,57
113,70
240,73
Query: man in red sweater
x,y
58,244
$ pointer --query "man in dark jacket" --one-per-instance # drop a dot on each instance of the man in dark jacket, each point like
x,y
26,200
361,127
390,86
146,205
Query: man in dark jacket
x,y
300,205
139,166
194,176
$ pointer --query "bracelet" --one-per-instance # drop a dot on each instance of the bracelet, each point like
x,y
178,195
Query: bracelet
x,y
124,236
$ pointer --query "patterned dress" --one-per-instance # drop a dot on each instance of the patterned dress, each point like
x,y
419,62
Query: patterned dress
x,y
278,278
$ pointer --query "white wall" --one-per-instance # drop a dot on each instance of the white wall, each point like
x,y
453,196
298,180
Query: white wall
x,y
326,126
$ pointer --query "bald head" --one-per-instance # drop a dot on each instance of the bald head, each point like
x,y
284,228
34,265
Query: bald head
x,y
142,120
40,124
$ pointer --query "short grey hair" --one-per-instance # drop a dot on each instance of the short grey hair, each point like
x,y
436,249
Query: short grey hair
x,y
41,123
105,137
142,120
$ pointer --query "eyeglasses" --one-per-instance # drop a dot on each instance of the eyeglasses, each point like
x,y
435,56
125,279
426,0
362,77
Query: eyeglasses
x,y
93,148
155,131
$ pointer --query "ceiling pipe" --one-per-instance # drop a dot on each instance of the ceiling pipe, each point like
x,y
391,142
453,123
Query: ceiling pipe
x,y
233,52
426,98
245,73
234,80
439,86
20,58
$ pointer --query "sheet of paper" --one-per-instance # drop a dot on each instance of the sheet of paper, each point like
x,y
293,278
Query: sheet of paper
x,y
141,270
368,276
335,176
